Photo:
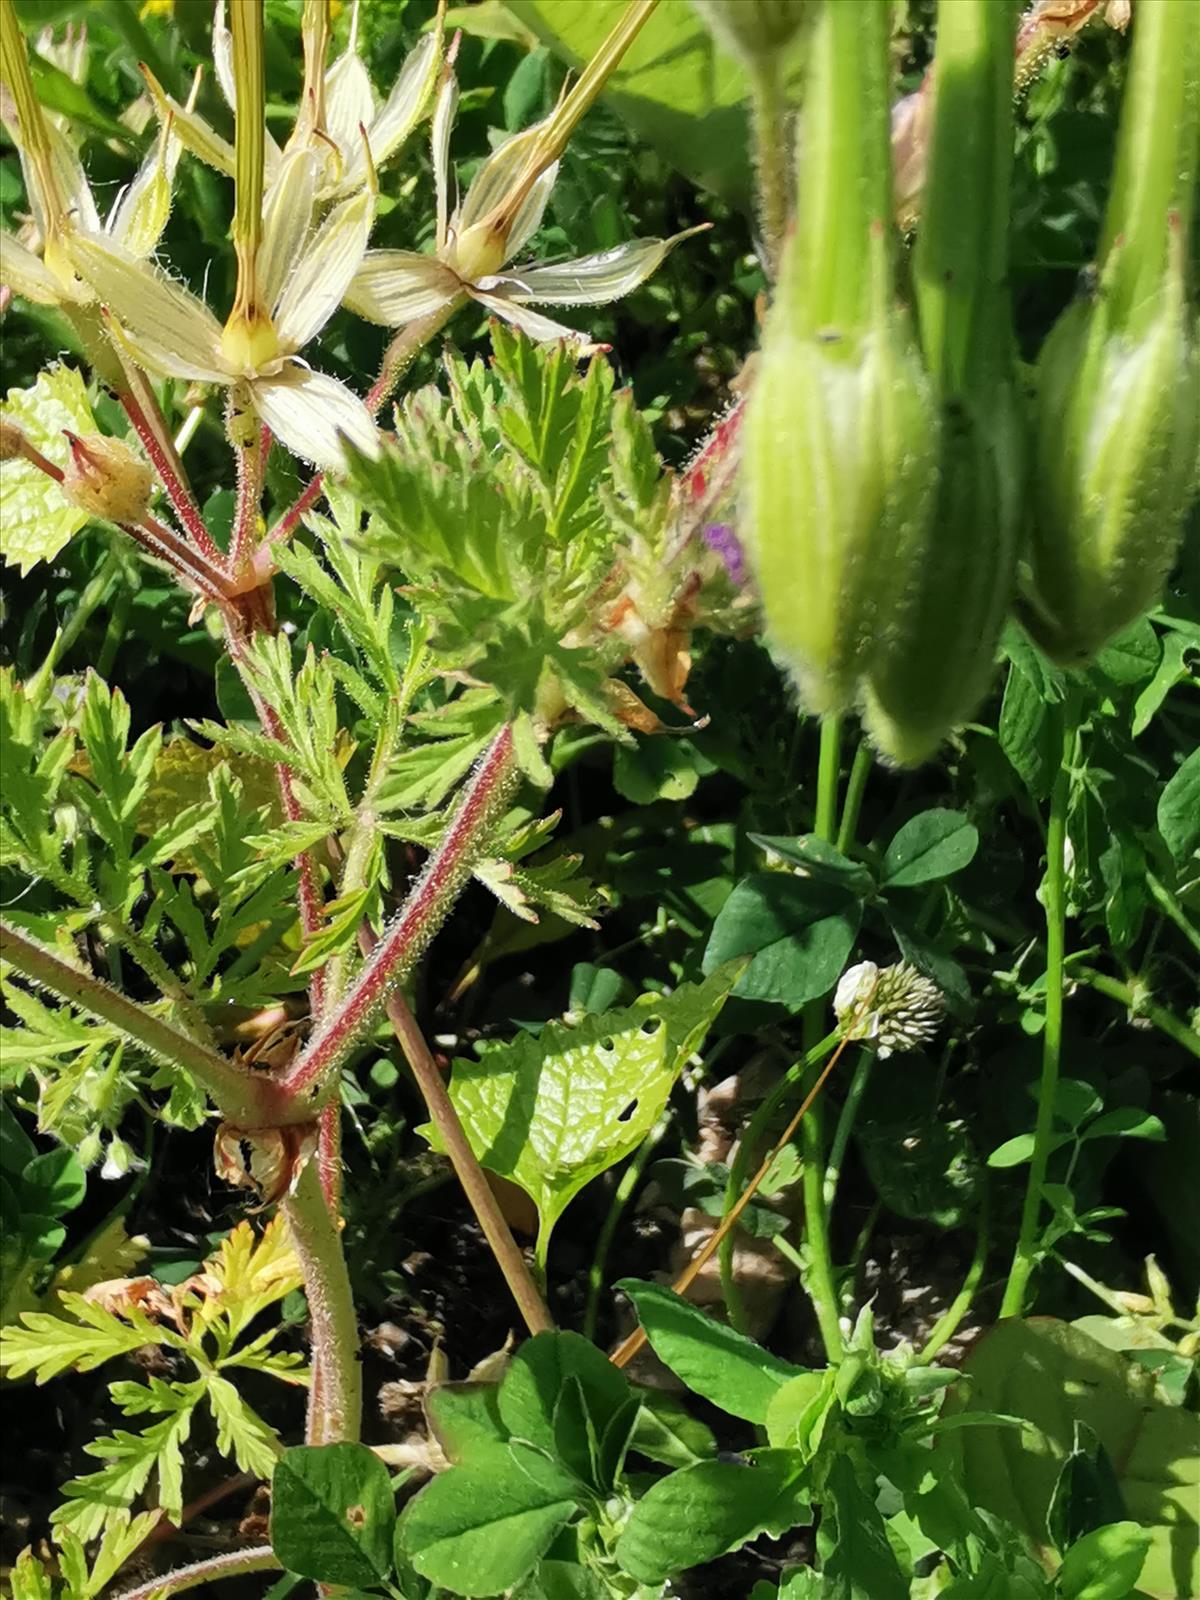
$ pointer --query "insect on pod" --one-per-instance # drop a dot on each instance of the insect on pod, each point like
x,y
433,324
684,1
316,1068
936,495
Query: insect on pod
x,y
840,431
937,654
1118,391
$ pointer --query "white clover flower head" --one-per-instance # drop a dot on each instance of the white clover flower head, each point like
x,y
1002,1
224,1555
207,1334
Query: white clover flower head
x,y
897,1008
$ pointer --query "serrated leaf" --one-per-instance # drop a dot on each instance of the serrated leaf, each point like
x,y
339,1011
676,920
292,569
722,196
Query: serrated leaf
x,y
241,1432
553,1112
99,1500
36,519
48,1344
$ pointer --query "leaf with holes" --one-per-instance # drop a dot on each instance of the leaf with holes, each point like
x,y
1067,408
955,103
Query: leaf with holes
x,y
555,1111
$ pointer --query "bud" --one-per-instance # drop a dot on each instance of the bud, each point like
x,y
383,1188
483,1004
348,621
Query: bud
x,y
1118,397
895,1007
755,30
12,441
840,429
104,477
938,654
937,657
1115,463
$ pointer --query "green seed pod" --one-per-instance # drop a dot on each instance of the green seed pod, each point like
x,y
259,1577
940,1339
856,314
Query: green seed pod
x,y
839,465
1118,392
1117,424
937,655
840,428
755,29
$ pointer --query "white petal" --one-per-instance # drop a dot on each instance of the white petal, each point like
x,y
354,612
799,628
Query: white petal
x,y
181,330
393,287
222,52
349,101
141,212
287,219
26,274
443,122
406,104
320,280
495,178
533,208
589,280
72,180
309,412
192,131
532,324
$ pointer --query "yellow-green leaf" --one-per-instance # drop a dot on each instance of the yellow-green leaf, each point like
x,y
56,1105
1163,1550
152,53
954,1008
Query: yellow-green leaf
x,y
36,520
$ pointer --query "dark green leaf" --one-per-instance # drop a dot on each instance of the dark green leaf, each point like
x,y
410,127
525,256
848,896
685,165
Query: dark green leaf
x,y
929,846
798,933
711,1358
479,1529
820,861
701,1512
333,1513
1179,809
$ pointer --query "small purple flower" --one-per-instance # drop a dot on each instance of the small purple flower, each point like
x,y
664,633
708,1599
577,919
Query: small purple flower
x,y
719,536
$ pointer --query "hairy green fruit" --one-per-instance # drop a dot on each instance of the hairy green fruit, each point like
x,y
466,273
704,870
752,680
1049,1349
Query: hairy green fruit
x,y
840,462
936,660
1115,464
755,29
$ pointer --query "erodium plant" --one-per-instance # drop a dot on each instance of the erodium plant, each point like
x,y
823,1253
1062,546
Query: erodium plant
x,y
210,925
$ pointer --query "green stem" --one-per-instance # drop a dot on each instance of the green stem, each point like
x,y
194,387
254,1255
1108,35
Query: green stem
x,y
855,789
622,1195
1137,1005
748,1146
114,634
335,1409
947,1324
1054,894
1157,151
95,592
1170,905
821,1281
245,1099
466,1165
845,1125
772,155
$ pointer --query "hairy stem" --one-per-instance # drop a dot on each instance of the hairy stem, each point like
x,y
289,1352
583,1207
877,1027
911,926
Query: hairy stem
x,y
335,1402
465,1163
773,155
141,407
1139,1006
261,1558
1054,894
845,1124
821,1283
948,1323
428,902
245,1099
856,785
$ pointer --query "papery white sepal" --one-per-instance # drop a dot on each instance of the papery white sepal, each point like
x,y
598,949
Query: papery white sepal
x,y
592,280
394,287
310,412
176,329
26,274
320,279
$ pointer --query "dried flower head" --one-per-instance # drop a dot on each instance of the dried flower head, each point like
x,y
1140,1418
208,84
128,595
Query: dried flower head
x,y
897,1008
104,477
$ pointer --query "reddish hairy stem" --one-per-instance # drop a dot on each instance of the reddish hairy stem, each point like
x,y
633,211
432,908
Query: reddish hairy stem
x,y
156,442
397,359
251,471
445,872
